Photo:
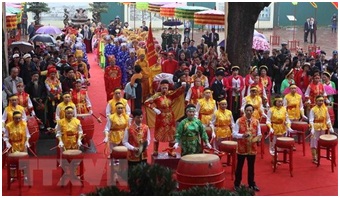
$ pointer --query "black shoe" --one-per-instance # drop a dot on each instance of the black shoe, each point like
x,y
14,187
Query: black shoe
x,y
255,188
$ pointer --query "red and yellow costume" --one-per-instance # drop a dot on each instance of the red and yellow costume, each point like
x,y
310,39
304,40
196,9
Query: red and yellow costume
x,y
17,134
115,127
146,80
136,136
113,79
25,101
247,146
165,124
194,94
205,109
222,122
314,90
60,111
81,101
69,131
256,101
294,106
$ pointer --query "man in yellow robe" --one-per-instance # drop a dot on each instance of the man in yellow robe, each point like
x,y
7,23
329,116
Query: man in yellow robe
x,y
7,115
146,72
256,101
111,105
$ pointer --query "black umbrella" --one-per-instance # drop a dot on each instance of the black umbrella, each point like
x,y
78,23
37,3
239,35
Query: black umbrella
x,y
22,45
172,23
45,38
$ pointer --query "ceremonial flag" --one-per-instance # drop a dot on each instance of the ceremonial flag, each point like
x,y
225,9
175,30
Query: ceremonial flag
x,y
150,46
335,4
314,4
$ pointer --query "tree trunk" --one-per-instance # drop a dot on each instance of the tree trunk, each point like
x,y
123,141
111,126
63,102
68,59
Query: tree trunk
x,y
241,20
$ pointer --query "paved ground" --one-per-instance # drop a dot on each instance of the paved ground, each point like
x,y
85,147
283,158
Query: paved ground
x,y
326,40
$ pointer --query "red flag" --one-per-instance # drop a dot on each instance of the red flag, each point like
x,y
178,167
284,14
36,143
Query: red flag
x,y
150,46
335,4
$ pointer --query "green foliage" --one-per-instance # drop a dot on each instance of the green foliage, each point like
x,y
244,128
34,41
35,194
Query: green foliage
x,y
147,180
213,191
100,7
97,8
108,191
37,8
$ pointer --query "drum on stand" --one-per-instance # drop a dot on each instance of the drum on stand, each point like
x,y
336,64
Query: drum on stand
x,y
299,126
285,142
119,152
87,124
328,140
33,128
200,170
228,146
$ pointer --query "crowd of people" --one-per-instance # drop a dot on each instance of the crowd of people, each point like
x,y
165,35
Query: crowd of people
x,y
50,83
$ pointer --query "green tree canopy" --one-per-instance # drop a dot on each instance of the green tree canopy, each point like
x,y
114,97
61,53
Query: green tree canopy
x,y
37,8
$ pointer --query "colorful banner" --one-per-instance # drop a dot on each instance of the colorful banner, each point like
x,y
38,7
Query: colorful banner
x,y
150,46
314,4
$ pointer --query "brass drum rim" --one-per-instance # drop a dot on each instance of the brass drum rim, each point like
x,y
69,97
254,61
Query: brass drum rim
x,y
18,154
229,143
201,158
72,152
120,149
328,137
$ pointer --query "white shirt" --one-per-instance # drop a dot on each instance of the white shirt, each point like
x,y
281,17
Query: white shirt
x,y
236,129
126,138
236,83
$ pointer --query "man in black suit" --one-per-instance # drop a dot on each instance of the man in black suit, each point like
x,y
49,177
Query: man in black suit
x,y
213,38
306,29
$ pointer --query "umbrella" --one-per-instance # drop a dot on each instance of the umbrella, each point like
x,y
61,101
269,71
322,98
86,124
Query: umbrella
x,y
45,38
187,12
48,30
168,10
212,17
260,43
256,33
330,90
22,45
12,10
172,23
142,5
13,5
298,90
155,6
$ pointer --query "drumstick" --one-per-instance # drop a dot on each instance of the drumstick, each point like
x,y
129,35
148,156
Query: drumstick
x,y
267,136
85,146
98,119
53,148
100,144
102,115
308,136
38,120
6,150
35,155
211,141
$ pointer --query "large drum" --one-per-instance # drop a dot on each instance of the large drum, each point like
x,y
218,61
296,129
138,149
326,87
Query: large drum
x,y
158,78
228,146
331,114
72,154
200,170
87,125
299,126
33,128
285,142
17,155
119,152
328,140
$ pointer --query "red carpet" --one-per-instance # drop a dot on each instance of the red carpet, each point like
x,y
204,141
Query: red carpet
x,y
308,180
